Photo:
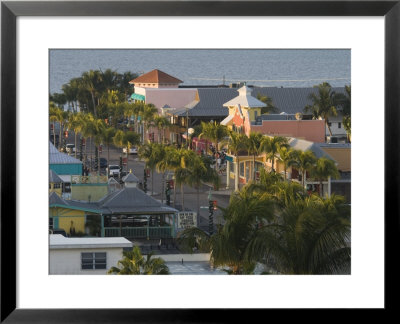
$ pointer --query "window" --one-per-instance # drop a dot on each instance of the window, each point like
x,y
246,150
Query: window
x,y
339,125
51,223
56,186
329,124
93,261
241,169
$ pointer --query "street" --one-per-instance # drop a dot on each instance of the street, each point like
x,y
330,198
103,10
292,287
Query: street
x,y
156,185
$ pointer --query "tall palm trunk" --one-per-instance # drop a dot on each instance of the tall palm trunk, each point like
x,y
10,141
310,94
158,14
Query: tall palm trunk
x,y
237,172
152,182
216,153
254,167
54,133
127,159
329,128
162,186
198,202
174,191
320,187
94,105
98,159
108,158
60,136
75,143
182,198
91,154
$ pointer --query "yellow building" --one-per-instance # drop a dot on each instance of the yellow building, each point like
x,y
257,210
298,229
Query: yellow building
x,y
71,218
56,184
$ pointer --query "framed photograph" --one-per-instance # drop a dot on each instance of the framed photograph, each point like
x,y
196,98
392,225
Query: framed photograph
x,y
31,31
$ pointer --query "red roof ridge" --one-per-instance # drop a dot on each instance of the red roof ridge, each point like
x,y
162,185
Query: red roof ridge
x,y
156,76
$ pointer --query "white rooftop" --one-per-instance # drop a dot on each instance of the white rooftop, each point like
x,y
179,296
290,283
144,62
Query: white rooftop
x,y
244,99
58,241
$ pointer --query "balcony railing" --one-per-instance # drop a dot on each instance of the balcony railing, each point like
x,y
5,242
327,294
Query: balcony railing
x,y
140,232
76,179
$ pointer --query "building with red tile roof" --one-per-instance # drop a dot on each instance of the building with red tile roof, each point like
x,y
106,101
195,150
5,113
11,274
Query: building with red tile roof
x,y
156,79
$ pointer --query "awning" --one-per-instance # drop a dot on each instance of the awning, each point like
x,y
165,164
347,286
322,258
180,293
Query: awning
x,y
136,96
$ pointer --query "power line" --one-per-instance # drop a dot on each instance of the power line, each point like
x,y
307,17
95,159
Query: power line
x,y
236,80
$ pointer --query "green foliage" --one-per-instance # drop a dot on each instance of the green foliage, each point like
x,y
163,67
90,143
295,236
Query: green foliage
x,y
277,224
270,108
134,263
324,104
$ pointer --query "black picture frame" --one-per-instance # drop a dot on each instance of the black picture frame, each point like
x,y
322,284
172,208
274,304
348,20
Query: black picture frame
x,y
10,10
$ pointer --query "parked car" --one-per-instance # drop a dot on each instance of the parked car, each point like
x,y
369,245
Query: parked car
x,y
113,170
132,150
70,148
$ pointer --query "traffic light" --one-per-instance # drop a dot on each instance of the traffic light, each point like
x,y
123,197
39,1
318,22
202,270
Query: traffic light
x,y
66,134
215,204
211,207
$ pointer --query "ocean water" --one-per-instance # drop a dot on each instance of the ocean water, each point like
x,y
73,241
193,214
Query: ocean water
x,y
260,67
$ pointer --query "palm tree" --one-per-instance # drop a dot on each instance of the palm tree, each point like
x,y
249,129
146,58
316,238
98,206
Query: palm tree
x,y
123,83
86,122
236,143
127,140
282,228
134,263
98,126
153,154
74,123
227,247
53,116
303,161
199,170
324,168
215,133
138,108
161,123
91,82
271,147
270,108
107,136
286,157
309,235
324,104
344,101
255,147
148,113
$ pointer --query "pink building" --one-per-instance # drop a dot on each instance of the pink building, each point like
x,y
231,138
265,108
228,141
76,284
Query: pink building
x,y
245,115
310,130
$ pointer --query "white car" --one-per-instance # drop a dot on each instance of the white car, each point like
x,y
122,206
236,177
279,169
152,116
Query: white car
x,y
70,148
132,150
113,170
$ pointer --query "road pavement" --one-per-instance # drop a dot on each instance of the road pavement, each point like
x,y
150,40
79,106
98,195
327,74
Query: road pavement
x,y
156,185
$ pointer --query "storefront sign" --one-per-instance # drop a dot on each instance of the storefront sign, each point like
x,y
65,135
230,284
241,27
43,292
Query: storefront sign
x,y
187,219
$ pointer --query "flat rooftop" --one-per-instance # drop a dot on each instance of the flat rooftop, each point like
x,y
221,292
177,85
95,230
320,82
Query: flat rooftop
x,y
58,241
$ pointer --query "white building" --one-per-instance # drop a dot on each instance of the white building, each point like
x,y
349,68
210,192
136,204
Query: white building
x,y
85,255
